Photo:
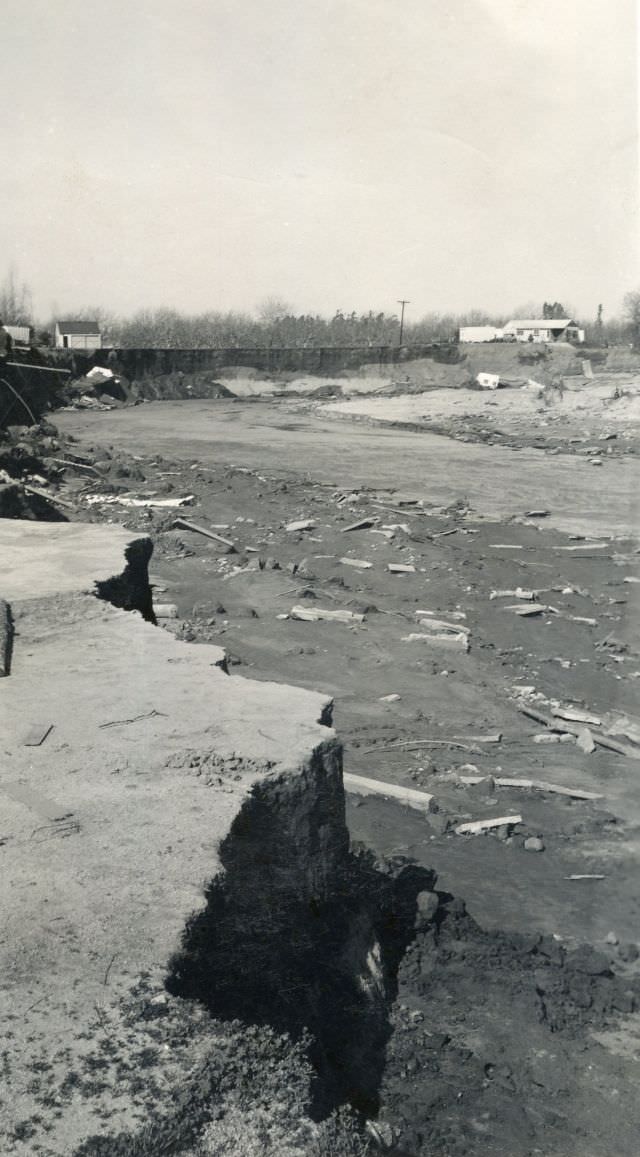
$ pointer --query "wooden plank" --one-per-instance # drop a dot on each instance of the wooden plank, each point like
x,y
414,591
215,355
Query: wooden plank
x,y
186,524
362,785
317,614
475,827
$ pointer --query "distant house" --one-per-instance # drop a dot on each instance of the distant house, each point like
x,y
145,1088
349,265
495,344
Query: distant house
x,y
480,333
20,334
543,329
77,335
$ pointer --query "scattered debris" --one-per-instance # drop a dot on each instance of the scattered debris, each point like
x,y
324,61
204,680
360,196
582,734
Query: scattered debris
x,y
359,563
165,611
496,737
475,827
134,718
584,740
527,612
37,734
488,381
574,715
361,785
443,638
185,524
600,740
361,524
554,788
518,593
124,500
316,614
533,844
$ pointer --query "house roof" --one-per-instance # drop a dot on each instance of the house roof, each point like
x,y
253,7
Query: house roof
x,y
78,327
540,322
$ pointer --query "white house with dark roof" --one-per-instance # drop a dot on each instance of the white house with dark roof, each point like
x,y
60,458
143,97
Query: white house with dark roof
x,y
78,335
543,329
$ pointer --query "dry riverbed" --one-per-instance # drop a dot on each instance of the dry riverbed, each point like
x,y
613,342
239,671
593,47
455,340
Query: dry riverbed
x,y
528,675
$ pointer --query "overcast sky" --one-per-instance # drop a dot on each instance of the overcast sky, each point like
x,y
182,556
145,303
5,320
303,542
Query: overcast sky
x,y
335,153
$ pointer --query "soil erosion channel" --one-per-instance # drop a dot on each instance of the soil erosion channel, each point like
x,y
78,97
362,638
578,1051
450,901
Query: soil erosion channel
x,y
515,1028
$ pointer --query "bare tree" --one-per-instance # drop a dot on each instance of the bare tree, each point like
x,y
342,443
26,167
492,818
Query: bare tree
x,y
273,309
16,306
631,305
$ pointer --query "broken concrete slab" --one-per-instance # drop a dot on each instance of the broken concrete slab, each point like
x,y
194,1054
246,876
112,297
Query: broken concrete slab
x,y
155,754
38,559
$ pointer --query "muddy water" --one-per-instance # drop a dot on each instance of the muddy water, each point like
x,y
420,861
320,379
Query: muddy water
x,y
497,481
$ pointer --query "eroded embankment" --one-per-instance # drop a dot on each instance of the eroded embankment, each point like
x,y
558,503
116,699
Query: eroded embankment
x,y
169,828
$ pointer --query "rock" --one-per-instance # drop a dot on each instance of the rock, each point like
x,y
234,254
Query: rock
x,y
584,740
427,904
628,952
302,524
611,938
533,844
589,961
438,822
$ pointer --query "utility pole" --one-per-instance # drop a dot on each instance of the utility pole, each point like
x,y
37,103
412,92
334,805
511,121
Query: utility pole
x,y
402,303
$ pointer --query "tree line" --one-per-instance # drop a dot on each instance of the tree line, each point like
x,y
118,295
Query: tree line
x,y
276,323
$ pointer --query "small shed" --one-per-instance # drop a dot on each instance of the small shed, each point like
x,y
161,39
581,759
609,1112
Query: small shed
x,y
480,333
78,335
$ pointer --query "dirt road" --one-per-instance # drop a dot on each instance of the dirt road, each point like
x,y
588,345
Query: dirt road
x,y
496,481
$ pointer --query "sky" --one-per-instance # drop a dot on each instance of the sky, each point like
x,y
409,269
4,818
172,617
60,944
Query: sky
x,y
210,154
